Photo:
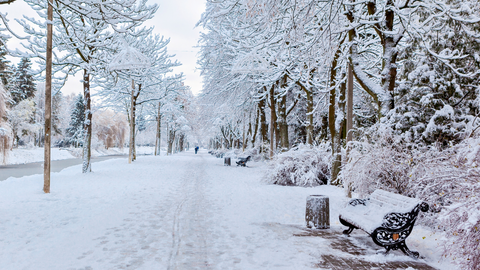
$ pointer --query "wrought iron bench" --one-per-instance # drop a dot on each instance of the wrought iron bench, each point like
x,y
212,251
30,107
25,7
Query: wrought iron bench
x,y
243,161
387,217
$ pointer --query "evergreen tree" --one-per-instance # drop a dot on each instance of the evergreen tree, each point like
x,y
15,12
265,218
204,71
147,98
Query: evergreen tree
x,y
75,130
23,85
5,70
141,122
56,113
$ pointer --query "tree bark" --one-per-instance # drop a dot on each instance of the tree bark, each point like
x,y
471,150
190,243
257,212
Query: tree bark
x,y
283,124
309,113
273,120
255,129
158,135
180,142
350,103
339,138
48,101
171,140
263,121
87,141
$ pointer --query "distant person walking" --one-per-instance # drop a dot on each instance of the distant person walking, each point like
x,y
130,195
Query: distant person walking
x,y
196,149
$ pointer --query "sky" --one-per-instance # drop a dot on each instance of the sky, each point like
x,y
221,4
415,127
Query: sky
x,y
175,19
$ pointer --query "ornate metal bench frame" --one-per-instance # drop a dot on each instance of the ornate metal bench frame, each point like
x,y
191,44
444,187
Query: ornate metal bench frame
x,y
243,161
395,229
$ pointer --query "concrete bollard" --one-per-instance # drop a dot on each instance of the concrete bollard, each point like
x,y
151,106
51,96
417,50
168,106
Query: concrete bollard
x,y
318,212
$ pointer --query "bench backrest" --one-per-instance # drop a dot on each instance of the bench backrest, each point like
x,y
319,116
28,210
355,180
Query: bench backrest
x,y
395,202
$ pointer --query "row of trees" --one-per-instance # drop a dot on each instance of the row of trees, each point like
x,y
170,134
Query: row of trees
x,y
342,73
87,36
309,71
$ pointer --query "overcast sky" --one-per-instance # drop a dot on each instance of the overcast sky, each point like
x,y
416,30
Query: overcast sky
x,y
175,19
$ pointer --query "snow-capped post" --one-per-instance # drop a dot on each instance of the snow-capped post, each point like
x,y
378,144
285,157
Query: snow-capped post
x,y
132,60
48,100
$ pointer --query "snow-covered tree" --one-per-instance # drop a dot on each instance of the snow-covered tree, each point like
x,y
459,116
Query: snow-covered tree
x,y
22,120
74,133
151,84
83,34
5,69
22,85
5,129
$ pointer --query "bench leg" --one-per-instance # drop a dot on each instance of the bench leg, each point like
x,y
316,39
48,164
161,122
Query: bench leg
x,y
403,247
387,250
350,226
348,231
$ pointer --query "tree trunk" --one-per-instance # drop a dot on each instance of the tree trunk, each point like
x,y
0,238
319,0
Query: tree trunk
x,y
350,103
255,129
181,142
309,113
336,122
87,141
244,137
273,120
171,140
158,135
263,120
283,124
390,53
48,102
249,132
339,138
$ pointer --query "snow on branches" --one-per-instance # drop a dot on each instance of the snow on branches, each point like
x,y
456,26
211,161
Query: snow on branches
x,y
301,166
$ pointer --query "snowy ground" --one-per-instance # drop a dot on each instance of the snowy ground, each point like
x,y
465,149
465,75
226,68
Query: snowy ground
x,y
29,155
184,211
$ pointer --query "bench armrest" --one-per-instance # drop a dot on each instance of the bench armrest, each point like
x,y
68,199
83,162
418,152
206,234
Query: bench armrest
x,y
399,220
424,207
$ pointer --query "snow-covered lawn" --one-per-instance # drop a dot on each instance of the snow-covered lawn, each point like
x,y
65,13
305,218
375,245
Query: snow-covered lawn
x,y
29,155
184,211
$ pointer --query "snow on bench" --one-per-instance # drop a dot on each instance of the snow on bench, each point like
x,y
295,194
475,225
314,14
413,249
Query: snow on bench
x,y
387,217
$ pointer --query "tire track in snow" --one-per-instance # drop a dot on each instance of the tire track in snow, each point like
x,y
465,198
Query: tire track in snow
x,y
190,235
175,237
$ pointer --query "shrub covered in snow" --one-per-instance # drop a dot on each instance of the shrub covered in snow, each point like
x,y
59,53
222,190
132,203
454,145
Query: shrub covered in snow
x,y
449,181
301,166
384,164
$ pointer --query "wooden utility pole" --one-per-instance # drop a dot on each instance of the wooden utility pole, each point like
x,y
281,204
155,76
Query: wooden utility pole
x,y
132,126
48,101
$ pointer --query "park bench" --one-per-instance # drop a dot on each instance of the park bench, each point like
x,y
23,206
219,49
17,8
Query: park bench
x,y
387,217
243,161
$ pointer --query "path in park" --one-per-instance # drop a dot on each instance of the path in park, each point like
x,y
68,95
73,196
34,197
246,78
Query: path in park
x,y
184,212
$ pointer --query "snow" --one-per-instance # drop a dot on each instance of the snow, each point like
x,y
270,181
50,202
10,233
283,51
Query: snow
x,y
25,155
184,211
29,155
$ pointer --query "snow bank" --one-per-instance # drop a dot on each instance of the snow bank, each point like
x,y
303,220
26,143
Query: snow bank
x,y
26,155
29,155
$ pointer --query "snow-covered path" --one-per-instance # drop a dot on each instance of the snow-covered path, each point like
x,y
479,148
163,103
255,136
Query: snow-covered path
x,y
184,211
